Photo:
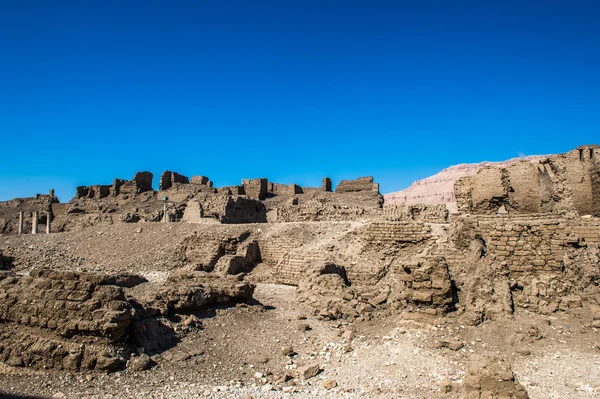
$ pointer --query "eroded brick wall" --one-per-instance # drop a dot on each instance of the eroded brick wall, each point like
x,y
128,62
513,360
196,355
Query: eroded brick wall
x,y
397,232
551,261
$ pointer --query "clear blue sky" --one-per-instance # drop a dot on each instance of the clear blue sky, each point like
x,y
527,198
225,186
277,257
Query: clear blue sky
x,y
289,90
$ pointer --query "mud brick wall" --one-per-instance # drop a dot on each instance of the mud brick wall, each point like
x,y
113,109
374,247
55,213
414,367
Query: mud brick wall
x,y
429,213
569,181
256,188
201,180
283,189
168,178
316,211
536,243
66,303
581,175
360,184
96,191
143,181
398,232
550,260
286,257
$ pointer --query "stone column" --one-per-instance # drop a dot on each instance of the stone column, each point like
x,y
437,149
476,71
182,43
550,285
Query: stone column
x,y
48,222
21,222
34,223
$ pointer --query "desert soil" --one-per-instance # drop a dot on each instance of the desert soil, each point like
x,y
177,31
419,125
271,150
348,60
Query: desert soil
x,y
237,353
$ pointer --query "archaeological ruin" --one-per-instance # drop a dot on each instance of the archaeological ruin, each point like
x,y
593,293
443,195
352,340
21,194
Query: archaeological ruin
x,y
109,282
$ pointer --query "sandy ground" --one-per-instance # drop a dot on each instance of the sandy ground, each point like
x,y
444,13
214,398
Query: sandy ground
x,y
238,354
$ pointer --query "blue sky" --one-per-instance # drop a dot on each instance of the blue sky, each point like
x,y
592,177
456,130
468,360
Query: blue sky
x,y
288,90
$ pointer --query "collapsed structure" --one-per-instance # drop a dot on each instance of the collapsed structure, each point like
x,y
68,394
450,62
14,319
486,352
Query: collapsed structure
x,y
526,236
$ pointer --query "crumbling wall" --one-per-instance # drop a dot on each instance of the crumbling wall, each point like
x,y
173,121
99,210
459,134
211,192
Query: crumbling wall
x,y
317,210
397,232
283,189
427,213
544,263
315,205
360,184
227,254
330,290
95,191
285,257
536,252
201,180
595,181
256,188
141,182
231,190
79,321
225,209
560,182
579,167
48,308
168,179
244,210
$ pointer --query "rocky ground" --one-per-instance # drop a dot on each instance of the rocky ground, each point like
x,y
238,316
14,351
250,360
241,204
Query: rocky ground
x,y
257,350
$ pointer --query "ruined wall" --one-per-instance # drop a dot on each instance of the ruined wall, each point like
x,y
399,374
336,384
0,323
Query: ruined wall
x,y
231,190
429,213
256,188
60,311
141,182
224,209
78,321
398,232
524,187
580,174
201,180
286,257
550,263
95,191
290,255
168,179
283,189
360,184
381,265
595,180
244,210
317,210
560,182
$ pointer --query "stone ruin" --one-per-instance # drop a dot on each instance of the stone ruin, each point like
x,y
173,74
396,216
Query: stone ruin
x,y
526,238
81,321
360,184
196,200
568,182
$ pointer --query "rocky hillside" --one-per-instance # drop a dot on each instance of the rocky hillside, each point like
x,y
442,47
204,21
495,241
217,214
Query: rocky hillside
x,y
439,188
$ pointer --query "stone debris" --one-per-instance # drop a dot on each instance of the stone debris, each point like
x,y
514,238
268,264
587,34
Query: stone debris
x,y
308,371
287,350
329,384
489,377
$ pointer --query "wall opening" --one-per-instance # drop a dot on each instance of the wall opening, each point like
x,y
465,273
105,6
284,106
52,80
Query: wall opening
x,y
591,153
581,154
